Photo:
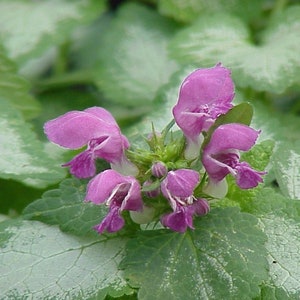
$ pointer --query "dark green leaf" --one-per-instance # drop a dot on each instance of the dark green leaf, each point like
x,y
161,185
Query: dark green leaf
x,y
40,262
224,258
65,207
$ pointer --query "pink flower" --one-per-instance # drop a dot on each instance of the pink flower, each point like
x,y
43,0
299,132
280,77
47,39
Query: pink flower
x,y
94,127
204,95
178,188
221,156
117,191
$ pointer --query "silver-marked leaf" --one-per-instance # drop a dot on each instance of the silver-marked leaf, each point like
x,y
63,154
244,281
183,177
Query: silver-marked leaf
x,y
29,28
273,65
40,262
286,164
279,219
23,157
224,258
133,60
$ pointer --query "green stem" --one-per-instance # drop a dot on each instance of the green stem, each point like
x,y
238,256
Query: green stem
x,y
66,79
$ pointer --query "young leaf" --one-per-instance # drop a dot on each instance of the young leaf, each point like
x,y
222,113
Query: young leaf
x,y
133,60
224,258
38,261
22,155
65,207
273,65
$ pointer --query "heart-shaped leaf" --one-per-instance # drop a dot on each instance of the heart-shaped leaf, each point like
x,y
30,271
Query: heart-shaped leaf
x,y
272,65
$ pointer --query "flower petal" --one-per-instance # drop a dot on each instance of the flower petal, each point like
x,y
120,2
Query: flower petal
x,y
112,222
100,187
180,183
231,136
74,129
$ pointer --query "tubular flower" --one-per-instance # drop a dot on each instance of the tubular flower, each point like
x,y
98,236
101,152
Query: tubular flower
x,y
221,156
117,191
178,188
96,128
204,95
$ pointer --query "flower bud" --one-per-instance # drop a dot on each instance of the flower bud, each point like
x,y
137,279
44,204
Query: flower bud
x,y
159,169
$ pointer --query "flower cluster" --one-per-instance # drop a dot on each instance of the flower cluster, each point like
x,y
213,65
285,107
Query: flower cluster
x,y
173,179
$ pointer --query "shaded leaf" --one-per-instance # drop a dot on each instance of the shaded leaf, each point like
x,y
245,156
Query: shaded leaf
x,y
222,259
41,262
15,89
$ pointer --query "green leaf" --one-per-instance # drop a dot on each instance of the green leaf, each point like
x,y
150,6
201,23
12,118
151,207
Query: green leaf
x,y
273,65
65,207
224,258
29,28
189,10
23,157
15,89
241,113
133,60
40,262
287,169
279,219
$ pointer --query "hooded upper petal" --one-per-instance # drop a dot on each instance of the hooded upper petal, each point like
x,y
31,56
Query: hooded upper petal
x,y
75,129
203,96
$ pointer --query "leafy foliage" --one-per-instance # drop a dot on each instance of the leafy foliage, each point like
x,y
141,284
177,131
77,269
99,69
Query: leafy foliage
x,y
60,55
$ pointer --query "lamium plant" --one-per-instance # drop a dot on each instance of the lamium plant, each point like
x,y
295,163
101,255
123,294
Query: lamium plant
x,y
173,180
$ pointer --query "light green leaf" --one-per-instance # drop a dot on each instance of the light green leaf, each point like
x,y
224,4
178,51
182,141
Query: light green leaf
x,y
29,28
279,219
287,169
22,155
15,89
273,65
133,60
224,258
65,207
189,10
40,262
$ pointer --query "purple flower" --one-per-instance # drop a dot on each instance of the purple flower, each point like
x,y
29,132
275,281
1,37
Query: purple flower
x,y
221,156
94,127
204,95
159,169
178,188
117,191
